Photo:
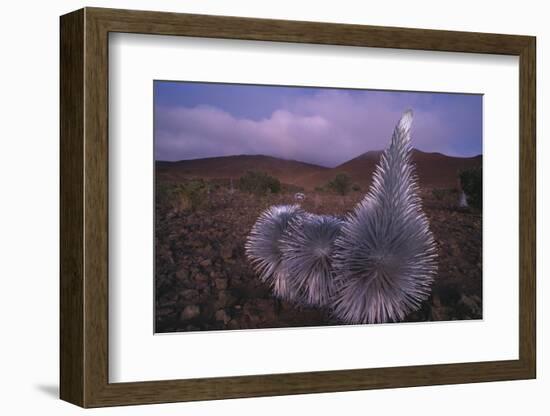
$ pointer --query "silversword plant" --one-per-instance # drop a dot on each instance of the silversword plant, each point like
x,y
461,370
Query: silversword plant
x,y
376,265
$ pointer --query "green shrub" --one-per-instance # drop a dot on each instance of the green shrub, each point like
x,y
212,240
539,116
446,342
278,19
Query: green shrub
x,y
195,192
444,193
182,196
471,182
438,193
341,184
259,183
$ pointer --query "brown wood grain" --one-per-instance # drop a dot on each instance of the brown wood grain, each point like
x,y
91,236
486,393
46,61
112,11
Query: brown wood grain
x,y
527,208
71,99
84,207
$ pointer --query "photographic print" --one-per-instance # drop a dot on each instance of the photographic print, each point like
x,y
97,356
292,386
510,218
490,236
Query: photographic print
x,y
288,206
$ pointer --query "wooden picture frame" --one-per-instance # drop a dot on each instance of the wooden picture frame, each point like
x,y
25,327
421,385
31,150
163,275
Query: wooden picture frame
x,y
84,207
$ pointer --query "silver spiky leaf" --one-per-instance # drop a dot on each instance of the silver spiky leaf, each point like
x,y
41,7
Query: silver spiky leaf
x,y
385,259
263,248
307,246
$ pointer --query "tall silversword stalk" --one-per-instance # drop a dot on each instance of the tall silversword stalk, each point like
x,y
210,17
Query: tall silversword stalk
x,y
385,258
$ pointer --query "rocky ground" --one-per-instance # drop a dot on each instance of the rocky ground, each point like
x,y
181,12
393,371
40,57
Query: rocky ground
x,y
204,282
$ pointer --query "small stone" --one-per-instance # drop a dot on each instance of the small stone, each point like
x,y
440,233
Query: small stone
x,y
182,274
455,250
221,284
206,251
439,314
190,312
199,277
266,308
222,315
226,252
233,324
164,311
189,294
473,303
206,263
167,303
225,299
165,253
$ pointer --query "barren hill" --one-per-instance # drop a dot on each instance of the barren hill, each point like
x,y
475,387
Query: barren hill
x,y
434,170
287,171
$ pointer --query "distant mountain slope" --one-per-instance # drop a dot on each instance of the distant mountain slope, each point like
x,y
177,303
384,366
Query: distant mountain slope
x,y
434,169
287,171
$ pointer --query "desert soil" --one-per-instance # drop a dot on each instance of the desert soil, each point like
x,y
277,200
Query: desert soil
x,y
203,280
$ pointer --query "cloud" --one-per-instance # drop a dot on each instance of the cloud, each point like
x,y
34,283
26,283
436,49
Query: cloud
x,y
327,128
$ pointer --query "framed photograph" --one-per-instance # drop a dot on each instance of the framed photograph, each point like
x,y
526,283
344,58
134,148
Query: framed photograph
x,y
255,207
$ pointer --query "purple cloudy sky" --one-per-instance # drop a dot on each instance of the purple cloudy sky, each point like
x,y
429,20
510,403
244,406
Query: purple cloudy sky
x,y
324,126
